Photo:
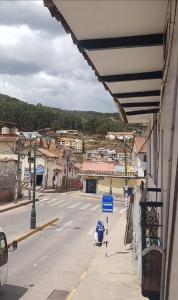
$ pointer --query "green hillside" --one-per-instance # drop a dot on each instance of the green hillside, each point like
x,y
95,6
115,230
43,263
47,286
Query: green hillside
x,y
29,117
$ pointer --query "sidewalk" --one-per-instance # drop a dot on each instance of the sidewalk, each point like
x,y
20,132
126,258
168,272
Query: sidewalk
x,y
20,202
112,277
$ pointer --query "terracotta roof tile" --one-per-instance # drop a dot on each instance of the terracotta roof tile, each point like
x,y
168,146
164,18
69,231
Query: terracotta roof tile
x,y
97,166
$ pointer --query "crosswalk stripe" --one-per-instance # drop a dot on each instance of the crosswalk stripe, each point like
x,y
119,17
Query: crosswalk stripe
x,y
64,204
95,207
85,206
57,202
52,200
44,199
74,205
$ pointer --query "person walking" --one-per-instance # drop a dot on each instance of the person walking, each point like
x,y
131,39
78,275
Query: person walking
x,y
100,232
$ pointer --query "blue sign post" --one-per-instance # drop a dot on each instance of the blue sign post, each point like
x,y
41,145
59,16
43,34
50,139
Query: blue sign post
x,y
107,204
107,207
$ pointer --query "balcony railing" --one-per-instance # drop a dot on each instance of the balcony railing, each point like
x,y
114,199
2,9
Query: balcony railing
x,y
151,245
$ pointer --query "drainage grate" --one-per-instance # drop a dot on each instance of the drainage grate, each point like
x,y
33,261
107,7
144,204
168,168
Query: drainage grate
x,y
58,295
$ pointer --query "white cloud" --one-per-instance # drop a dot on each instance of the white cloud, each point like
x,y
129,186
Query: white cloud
x,y
39,63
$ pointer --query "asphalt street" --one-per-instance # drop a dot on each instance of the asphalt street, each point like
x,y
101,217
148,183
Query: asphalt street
x,y
49,264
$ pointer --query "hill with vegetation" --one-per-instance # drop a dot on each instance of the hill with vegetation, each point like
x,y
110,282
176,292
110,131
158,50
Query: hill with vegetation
x,y
29,117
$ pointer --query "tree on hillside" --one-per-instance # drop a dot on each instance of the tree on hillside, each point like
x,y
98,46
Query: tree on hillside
x,y
30,117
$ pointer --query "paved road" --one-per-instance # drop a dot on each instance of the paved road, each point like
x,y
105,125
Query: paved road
x,y
54,259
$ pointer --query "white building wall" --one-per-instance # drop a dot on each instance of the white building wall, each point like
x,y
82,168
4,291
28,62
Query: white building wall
x,y
167,148
169,129
7,147
137,242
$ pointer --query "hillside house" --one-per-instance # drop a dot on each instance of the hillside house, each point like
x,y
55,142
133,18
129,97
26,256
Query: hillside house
x,y
117,135
75,144
10,177
104,177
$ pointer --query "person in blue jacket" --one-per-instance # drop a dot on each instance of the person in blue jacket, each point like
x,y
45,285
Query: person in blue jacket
x,y
100,232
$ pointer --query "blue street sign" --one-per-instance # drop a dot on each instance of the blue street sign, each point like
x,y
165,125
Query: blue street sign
x,y
107,203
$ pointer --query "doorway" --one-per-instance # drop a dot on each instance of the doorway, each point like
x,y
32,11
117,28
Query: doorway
x,y
91,186
39,180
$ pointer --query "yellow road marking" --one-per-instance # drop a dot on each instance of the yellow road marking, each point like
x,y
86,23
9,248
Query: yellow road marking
x,y
25,236
69,297
83,275
75,289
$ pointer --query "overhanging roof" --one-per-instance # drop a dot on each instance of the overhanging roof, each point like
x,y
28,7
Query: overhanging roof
x,y
123,42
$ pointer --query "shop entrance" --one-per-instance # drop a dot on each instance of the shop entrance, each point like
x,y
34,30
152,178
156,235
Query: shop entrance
x,y
91,186
39,175
39,179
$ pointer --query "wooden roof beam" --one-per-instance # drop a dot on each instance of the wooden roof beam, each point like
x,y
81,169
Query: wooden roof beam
x,y
131,77
148,40
142,112
140,104
137,94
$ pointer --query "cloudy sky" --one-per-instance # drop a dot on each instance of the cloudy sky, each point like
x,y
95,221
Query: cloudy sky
x,y
40,64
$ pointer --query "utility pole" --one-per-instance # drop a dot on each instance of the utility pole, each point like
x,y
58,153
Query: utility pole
x,y
33,211
30,170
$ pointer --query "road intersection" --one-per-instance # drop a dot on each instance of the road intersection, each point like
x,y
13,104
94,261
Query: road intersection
x,y
56,257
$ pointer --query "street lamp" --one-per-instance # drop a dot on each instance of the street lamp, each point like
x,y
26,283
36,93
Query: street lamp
x,y
34,147
30,171
33,211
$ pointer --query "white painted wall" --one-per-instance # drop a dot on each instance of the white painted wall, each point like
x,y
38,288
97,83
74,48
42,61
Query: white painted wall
x,y
166,163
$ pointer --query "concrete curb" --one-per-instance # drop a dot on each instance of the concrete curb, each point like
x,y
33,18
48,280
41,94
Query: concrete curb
x,y
25,236
16,206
